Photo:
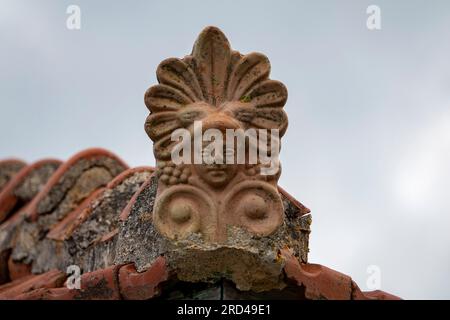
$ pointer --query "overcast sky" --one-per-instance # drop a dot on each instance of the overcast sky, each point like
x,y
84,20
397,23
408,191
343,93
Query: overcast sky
x,y
368,143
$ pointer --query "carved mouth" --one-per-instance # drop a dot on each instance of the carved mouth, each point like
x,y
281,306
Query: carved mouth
x,y
216,173
216,167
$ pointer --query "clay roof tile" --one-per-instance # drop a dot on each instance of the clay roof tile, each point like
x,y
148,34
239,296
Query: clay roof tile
x,y
60,174
30,178
51,279
8,169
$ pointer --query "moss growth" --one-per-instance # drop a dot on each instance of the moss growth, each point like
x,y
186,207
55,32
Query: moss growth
x,y
245,99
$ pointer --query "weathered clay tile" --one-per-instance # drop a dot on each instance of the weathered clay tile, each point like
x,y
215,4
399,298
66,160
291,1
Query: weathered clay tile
x,y
7,286
54,251
357,294
113,283
4,272
8,231
94,236
98,285
137,198
72,182
101,284
47,294
17,270
322,283
51,279
301,209
138,240
8,169
25,185
63,230
319,282
143,285
14,199
85,237
104,216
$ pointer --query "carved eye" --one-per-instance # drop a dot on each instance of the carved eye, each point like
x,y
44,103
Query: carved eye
x,y
190,114
245,115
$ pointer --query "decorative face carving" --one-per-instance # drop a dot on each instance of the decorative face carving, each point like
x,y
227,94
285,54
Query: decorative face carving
x,y
216,175
224,90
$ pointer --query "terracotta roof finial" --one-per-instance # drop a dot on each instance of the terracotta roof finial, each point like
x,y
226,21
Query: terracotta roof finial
x,y
217,88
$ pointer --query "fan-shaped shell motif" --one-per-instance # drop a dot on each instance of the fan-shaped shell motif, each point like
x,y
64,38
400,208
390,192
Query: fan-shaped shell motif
x,y
213,79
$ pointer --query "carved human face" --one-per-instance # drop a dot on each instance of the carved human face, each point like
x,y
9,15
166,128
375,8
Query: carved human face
x,y
216,175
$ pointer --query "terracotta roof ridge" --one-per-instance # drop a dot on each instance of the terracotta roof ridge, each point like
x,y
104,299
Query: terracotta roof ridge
x,y
87,153
62,230
8,169
12,160
302,208
126,211
122,177
321,282
6,194
128,173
